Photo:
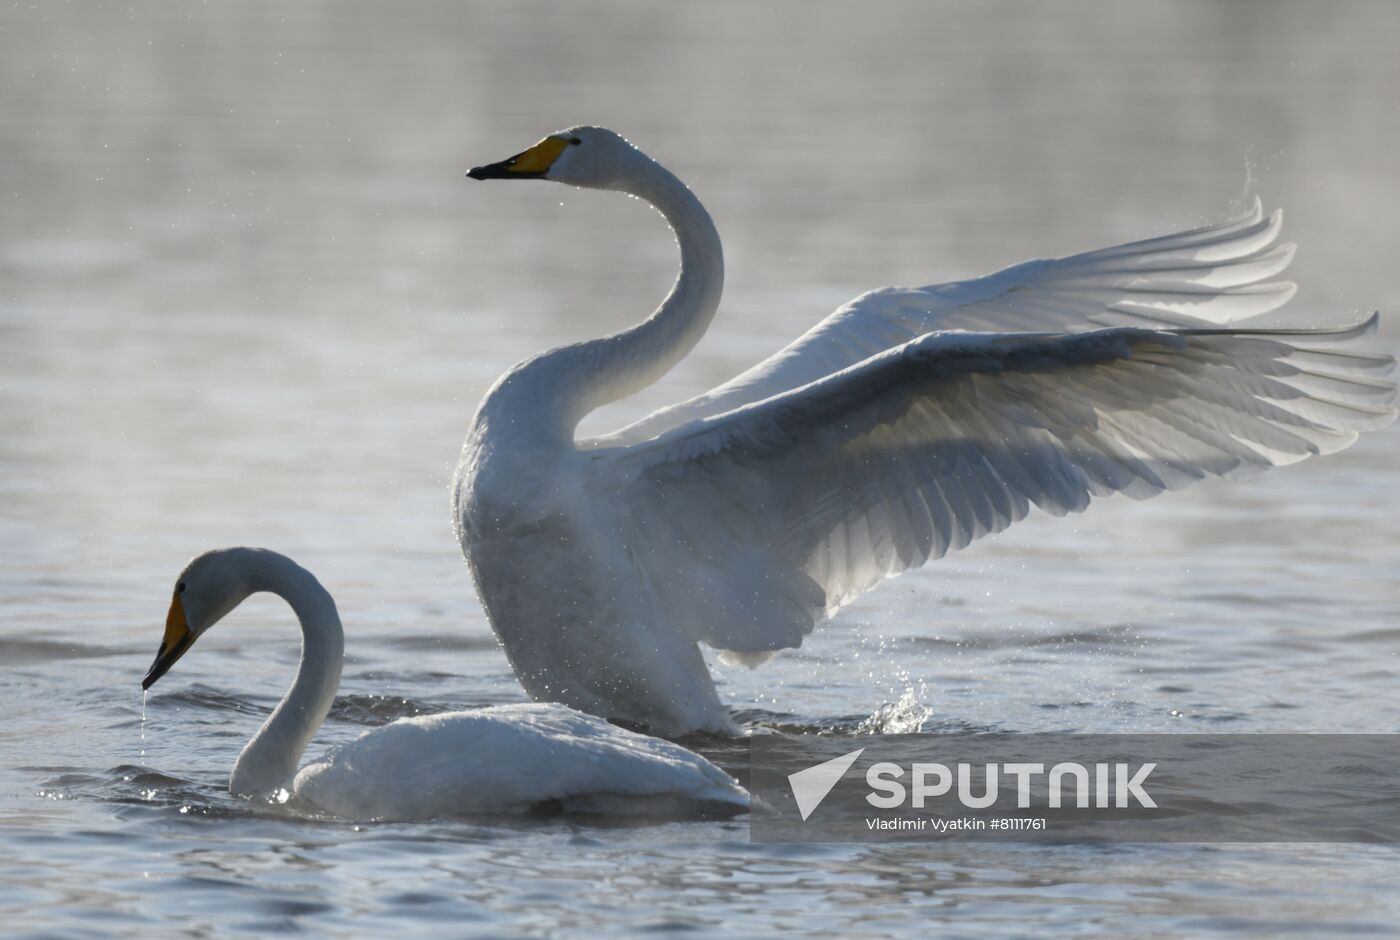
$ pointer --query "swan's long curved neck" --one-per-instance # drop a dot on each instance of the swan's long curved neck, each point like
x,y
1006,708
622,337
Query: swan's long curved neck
x,y
269,761
587,375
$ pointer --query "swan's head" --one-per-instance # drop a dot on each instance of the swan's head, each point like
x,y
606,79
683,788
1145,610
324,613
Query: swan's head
x,y
210,587
591,157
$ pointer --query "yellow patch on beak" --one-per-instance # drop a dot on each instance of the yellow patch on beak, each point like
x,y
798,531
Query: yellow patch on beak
x,y
540,157
178,638
531,164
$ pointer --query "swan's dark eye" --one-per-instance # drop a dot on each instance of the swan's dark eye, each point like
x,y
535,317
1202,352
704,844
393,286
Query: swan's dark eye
x,y
180,588
575,140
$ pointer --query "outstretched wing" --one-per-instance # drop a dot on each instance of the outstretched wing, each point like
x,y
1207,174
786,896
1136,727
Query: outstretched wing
x,y
1205,277
751,526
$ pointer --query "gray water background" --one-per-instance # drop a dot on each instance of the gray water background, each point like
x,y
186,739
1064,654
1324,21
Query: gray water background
x,y
246,296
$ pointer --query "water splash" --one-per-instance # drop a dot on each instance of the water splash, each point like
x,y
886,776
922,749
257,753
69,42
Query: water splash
x,y
145,694
906,715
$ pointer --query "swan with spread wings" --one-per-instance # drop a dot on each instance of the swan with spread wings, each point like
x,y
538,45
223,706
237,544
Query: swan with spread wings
x,y
907,424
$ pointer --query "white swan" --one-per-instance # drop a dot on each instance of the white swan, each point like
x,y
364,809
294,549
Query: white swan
x,y
882,438
504,759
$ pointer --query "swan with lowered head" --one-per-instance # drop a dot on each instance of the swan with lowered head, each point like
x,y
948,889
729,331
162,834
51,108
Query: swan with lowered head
x,y
884,437
503,759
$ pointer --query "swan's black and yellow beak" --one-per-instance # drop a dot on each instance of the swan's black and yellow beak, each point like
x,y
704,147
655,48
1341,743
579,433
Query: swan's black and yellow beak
x,y
178,638
531,164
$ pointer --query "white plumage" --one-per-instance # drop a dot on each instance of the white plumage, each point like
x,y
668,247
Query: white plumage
x,y
510,758
884,437
500,760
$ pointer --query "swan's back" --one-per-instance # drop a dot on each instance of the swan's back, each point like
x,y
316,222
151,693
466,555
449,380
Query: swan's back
x,y
509,759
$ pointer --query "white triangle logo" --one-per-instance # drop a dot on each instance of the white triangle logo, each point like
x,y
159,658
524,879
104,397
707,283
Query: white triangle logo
x,y
810,786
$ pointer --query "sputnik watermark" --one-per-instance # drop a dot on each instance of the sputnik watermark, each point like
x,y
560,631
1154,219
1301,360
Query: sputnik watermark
x,y
1113,785
1096,788
948,826
810,786
1126,784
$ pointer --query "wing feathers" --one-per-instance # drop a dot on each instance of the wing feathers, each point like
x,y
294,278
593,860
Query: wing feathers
x,y
1242,235
925,448
884,437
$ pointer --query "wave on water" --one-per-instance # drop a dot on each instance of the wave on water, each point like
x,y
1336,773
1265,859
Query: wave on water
x,y
446,642
139,791
132,784
368,709
201,696
1112,636
906,715
375,710
18,651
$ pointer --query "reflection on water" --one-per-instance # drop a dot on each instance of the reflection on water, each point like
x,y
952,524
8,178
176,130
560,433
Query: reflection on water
x,y
247,297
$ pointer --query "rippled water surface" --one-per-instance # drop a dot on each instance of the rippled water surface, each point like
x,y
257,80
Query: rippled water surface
x,y
247,297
